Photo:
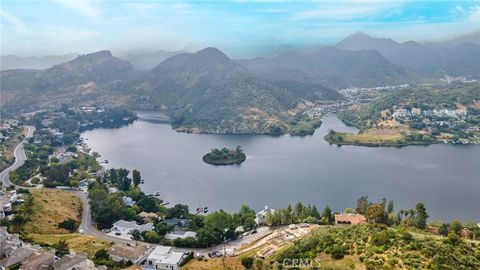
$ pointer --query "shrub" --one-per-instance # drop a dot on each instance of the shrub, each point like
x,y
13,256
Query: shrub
x,y
337,252
247,262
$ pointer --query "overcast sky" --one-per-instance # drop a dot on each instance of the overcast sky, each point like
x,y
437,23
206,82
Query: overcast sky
x,y
240,28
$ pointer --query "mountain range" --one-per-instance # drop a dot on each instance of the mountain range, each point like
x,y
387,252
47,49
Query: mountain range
x,y
209,92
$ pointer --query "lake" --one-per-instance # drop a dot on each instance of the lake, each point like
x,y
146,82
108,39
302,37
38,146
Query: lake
x,y
286,169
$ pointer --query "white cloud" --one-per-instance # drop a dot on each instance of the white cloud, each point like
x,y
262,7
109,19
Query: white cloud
x,y
475,13
348,10
14,20
86,8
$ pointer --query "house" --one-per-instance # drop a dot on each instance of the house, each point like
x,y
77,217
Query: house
x,y
74,262
7,198
127,227
112,190
19,255
128,201
136,253
180,234
262,215
177,222
352,219
37,261
163,257
9,243
148,216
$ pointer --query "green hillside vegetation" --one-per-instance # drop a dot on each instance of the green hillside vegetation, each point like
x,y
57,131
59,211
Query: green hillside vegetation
x,y
380,247
430,115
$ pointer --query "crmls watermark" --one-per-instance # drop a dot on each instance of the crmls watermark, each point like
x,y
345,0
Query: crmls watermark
x,y
300,263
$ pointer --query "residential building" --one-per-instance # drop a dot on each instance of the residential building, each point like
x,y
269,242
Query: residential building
x,y
38,261
262,215
7,198
352,219
136,253
164,258
180,234
147,217
127,227
9,243
19,255
74,262
177,222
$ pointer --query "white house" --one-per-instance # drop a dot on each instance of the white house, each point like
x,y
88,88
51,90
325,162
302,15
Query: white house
x,y
180,234
164,258
127,227
7,198
128,201
262,215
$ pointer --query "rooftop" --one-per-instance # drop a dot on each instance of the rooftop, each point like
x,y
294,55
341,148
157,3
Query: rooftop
x,y
133,225
130,252
165,255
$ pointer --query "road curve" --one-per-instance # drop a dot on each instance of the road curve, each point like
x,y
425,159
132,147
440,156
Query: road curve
x,y
20,157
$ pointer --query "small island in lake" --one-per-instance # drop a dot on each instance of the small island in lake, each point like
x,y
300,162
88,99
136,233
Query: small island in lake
x,y
225,156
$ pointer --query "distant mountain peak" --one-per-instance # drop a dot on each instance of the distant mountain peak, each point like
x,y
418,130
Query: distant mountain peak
x,y
99,54
359,34
212,53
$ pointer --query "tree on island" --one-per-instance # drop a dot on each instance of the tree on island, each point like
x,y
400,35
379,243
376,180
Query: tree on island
x,y
225,156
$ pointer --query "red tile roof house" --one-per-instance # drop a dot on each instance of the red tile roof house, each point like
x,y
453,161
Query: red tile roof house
x,y
352,219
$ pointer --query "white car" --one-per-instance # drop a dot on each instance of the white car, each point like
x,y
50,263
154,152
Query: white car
x,y
81,231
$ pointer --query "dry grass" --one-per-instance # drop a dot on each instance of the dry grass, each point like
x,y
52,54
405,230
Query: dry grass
x,y
376,136
76,242
51,207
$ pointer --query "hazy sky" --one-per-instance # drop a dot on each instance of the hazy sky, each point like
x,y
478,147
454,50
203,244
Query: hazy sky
x,y
240,28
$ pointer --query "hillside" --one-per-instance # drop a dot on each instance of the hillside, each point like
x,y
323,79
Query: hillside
x,y
332,67
209,92
459,60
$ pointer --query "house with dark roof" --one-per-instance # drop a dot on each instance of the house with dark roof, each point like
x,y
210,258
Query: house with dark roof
x,y
351,219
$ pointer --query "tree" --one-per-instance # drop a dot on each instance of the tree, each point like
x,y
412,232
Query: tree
x,y
61,248
327,215
246,217
456,226
390,207
136,177
421,216
247,262
101,254
443,229
178,211
69,224
362,205
375,213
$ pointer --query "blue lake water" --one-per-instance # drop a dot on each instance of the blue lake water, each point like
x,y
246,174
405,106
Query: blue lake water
x,y
286,169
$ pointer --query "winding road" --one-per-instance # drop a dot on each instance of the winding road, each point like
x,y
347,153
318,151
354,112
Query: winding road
x,y
20,157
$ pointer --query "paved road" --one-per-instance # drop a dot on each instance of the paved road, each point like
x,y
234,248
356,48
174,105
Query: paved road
x,y
20,157
87,224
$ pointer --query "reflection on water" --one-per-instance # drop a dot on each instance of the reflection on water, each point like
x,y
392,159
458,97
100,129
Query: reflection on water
x,y
286,169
